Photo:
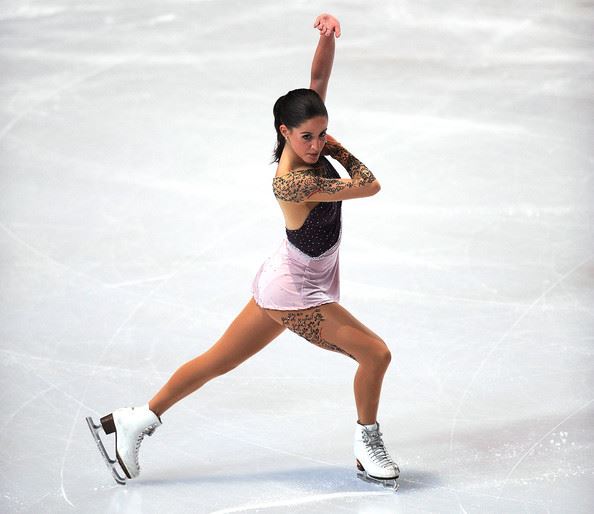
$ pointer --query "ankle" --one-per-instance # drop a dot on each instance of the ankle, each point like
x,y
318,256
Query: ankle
x,y
155,410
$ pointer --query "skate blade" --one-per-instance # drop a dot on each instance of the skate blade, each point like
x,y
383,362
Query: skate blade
x,y
391,483
109,462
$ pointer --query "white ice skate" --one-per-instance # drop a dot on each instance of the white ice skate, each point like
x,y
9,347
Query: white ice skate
x,y
374,463
130,425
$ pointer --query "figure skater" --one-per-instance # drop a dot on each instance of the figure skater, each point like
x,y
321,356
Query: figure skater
x,y
296,288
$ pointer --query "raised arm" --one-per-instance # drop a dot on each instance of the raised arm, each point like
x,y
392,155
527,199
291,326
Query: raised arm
x,y
321,66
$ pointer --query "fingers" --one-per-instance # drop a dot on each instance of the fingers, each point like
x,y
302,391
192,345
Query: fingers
x,y
327,24
327,30
322,27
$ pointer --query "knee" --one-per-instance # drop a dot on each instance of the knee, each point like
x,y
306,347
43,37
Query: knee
x,y
385,356
379,354
224,367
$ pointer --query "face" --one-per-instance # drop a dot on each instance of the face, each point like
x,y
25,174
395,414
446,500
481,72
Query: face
x,y
308,139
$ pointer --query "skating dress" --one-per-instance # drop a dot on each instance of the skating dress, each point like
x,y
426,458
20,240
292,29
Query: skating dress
x,y
304,271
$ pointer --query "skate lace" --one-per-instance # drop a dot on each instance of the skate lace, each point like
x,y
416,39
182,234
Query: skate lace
x,y
147,431
376,448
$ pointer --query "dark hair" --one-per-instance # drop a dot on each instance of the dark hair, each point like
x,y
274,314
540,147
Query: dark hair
x,y
292,110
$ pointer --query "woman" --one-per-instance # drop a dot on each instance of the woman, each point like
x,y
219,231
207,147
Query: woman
x,y
297,287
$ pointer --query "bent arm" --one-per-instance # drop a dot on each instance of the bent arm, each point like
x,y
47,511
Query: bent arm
x,y
308,186
355,168
332,190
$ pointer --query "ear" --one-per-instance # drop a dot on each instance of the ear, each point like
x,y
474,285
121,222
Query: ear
x,y
284,130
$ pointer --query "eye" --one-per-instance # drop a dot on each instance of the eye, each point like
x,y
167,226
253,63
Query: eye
x,y
307,137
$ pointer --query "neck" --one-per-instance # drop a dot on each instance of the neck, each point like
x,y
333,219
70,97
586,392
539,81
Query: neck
x,y
291,161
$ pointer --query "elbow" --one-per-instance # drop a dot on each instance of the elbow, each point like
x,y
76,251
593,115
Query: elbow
x,y
375,187
369,189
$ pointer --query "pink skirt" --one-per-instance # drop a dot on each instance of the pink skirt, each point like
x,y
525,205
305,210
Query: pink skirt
x,y
290,279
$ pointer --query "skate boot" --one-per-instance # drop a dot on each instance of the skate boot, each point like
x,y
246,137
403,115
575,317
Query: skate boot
x,y
130,425
374,463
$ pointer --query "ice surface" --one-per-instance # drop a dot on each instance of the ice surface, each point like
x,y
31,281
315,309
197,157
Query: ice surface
x,y
135,140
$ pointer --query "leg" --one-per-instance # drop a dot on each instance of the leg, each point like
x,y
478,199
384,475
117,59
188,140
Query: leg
x,y
251,331
332,327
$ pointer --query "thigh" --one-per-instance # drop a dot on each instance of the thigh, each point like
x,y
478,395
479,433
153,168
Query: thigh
x,y
247,334
334,328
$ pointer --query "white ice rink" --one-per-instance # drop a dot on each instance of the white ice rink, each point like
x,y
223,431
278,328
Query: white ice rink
x,y
136,207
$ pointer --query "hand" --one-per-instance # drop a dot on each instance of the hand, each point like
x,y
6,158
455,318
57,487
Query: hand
x,y
332,147
331,140
327,24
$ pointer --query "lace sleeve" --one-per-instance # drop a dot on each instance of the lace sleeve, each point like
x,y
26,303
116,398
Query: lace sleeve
x,y
355,168
298,186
